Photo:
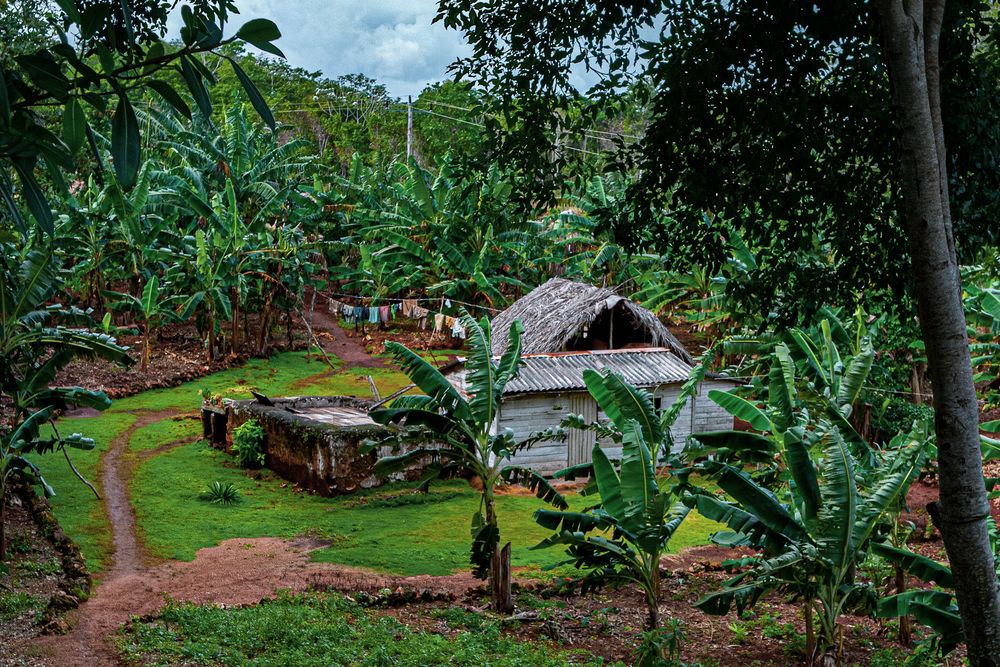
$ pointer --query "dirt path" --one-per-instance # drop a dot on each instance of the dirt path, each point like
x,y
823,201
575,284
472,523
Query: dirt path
x,y
348,349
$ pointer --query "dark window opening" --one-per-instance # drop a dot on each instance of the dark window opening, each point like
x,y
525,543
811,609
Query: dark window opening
x,y
613,329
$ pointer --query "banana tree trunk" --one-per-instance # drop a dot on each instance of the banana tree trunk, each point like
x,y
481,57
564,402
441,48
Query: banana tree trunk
x,y
653,601
904,620
211,339
911,32
145,352
3,525
235,333
500,590
501,598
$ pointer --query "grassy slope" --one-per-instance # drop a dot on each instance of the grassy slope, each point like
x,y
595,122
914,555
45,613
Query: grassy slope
x,y
393,530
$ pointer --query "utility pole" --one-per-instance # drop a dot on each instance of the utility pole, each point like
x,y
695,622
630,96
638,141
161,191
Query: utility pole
x,y
409,128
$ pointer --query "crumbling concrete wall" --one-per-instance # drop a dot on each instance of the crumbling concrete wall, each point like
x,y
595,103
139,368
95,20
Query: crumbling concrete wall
x,y
324,458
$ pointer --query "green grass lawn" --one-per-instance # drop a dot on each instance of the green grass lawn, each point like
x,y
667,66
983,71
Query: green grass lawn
x,y
391,529
328,630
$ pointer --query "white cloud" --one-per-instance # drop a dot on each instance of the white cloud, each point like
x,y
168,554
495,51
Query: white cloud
x,y
393,41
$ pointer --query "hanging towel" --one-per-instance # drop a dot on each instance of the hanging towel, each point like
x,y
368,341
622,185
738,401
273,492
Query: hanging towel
x,y
383,314
447,303
393,309
358,313
438,322
409,305
373,315
457,330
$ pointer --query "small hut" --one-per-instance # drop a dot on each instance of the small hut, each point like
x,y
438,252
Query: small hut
x,y
570,327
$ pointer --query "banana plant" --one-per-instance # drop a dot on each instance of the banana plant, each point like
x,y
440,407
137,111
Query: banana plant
x,y
150,309
623,538
36,341
455,432
935,607
982,311
791,403
623,403
814,528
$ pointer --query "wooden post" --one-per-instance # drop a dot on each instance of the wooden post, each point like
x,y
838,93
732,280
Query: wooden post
x,y
409,128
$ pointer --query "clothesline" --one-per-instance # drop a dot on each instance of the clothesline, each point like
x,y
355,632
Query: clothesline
x,y
398,300
382,314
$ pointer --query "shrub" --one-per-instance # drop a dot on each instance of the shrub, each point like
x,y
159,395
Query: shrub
x,y
248,444
221,494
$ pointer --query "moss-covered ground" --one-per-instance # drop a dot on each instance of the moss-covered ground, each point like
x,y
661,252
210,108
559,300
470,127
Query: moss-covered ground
x,y
393,529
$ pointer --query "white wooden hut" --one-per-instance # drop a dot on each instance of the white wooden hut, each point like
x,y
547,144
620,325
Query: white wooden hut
x,y
570,327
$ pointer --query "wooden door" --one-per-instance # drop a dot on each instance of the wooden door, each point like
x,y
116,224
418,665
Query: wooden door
x,y
580,444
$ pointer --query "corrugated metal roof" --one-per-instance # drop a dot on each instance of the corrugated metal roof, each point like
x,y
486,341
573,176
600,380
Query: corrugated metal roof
x,y
563,371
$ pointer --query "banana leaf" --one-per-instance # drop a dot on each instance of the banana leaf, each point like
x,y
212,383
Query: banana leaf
x,y
803,471
747,447
622,403
757,500
638,478
742,409
536,483
388,465
835,530
574,522
608,484
919,566
855,375
429,380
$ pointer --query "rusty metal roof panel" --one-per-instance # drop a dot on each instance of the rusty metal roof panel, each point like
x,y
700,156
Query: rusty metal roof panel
x,y
563,371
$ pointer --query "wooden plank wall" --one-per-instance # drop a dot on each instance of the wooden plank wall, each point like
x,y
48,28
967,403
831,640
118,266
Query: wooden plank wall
x,y
530,413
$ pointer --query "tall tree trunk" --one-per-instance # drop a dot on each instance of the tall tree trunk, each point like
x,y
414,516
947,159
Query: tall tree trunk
x,y
911,30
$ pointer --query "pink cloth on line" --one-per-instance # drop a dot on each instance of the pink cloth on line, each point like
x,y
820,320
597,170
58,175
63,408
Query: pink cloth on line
x,y
383,313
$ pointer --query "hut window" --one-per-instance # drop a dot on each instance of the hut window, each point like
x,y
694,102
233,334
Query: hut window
x,y
658,404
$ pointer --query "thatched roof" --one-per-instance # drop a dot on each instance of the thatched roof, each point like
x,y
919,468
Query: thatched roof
x,y
556,313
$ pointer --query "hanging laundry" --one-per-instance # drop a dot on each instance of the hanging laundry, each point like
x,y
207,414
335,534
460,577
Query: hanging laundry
x,y
383,314
447,303
438,322
457,330
373,315
409,305
420,314
393,309
358,313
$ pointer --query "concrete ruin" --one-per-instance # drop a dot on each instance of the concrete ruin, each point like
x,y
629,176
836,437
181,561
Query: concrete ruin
x,y
313,441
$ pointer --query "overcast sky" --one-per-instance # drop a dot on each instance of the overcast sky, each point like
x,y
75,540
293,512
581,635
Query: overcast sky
x,y
392,41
